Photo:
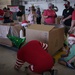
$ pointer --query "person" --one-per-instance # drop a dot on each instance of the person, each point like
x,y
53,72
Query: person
x,y
1,16
67,16
74,6
32,15
8,16
72,28
19,15
68,58
34,53
4,9
49,15
38,17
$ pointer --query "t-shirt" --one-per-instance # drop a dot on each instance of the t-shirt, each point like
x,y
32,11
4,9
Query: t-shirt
x,y
51,19
66,13
38,13
73,15
19,13
71,54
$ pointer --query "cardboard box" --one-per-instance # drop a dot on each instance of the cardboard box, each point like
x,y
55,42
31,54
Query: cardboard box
x,y
9,28
6,42
51,35
57,20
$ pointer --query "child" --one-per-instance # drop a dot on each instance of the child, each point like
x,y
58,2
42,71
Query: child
x,y
32,15
69,58
34,52
31,18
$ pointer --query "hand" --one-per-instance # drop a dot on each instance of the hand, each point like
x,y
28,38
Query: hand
x,y
16,68
49,16
70,31
64,49
63,20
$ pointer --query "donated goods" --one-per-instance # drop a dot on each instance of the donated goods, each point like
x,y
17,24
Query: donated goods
x,y
16,40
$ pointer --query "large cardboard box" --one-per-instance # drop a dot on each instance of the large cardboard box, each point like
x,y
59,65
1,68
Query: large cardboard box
x,y
51,35
57,20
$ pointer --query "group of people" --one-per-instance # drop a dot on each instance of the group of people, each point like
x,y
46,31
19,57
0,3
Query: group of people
x,y
68,20
6,16
49,15
35,52
34,15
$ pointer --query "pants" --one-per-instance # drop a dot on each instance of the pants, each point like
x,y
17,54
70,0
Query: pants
x,y
67,29
38,20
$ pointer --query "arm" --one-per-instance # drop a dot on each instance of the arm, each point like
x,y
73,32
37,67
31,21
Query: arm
x,y
67,52
71,60
72,23
44,46
67,18
45,15
19,60
18,64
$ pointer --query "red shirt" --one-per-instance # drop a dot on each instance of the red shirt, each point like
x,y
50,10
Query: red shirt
x,y
1,14
73,15
34,54
50,20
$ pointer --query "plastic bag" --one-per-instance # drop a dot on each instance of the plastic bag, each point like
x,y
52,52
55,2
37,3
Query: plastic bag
x,y
16,40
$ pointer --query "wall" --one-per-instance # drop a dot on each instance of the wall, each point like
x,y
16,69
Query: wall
x,y
4,3
60,5
44,5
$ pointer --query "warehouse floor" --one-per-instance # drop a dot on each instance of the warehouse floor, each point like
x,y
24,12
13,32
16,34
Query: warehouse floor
x,y
8,58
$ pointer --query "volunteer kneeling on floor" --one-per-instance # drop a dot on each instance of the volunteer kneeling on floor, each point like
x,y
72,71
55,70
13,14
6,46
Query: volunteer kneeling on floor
x,y
34,53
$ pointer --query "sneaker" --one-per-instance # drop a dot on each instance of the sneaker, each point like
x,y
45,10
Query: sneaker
x,y
70,66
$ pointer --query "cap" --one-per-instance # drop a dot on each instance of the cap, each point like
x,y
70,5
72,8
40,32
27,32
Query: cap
x,y
24,23
71,36
67,3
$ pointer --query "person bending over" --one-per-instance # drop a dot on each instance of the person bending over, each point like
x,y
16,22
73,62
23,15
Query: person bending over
x,y
34,53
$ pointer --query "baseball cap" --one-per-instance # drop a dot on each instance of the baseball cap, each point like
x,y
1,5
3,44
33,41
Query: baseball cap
x,y
67,3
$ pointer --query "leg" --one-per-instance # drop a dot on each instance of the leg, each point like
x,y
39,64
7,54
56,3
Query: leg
x,y
71,60
61,61
70,63
39,20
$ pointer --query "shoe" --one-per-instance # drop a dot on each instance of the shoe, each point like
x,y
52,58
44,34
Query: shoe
x,y
70,66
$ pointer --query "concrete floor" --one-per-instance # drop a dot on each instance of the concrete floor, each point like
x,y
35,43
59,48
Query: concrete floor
x,y
8,58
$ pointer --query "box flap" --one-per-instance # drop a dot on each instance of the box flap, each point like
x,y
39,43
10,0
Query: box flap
x,y
41,27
